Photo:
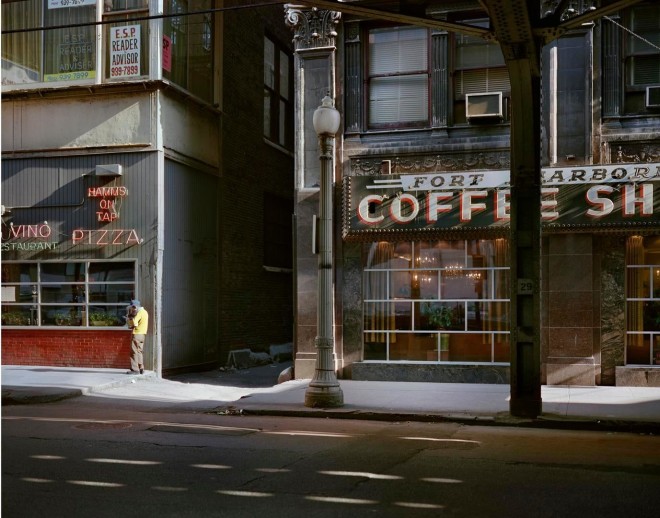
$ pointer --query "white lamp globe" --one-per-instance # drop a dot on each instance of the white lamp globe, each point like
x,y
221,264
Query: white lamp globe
x,y
326,118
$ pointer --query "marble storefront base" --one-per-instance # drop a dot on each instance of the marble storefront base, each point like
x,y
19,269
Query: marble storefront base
x,y
304,365
424,372
637,377
579,374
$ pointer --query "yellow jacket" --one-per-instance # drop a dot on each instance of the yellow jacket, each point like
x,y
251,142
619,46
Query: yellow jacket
x,y
140,322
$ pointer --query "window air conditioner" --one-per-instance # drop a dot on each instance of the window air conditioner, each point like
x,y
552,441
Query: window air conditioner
x,y
483,105
653,96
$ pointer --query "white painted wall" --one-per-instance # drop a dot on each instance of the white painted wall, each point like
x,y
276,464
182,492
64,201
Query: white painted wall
x,y
112,121
68,122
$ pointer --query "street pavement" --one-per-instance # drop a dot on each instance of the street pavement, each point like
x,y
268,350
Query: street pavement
x,y
255,391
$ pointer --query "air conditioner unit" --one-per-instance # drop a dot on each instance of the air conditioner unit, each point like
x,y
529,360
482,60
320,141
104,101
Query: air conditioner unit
x,y
484,105
653,96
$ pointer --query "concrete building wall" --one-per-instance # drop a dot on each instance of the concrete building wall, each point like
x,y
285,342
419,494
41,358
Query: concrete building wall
x,y
190,268
190,130
84,120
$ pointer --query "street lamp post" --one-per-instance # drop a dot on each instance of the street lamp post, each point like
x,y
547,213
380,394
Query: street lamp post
x,y
324,390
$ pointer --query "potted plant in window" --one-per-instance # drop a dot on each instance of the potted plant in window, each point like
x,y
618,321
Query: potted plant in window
x,y
100,318
15,318
62,319
439,317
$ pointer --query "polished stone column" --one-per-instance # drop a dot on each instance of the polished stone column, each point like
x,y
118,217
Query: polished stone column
x,y
315,32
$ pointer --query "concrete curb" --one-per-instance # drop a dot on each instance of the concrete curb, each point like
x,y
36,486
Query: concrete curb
x,y
30,396
546,421
20,395
608,409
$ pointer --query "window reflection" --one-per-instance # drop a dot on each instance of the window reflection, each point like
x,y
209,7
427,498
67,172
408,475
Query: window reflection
x,y
436,301
643,300
66,294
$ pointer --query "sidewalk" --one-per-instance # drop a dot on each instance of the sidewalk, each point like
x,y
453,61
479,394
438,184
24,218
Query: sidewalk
x,y
597,408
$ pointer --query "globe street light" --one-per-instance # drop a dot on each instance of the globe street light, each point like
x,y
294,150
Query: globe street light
x,y
324,390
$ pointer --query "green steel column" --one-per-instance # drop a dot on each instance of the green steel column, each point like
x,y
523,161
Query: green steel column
x,y
512,22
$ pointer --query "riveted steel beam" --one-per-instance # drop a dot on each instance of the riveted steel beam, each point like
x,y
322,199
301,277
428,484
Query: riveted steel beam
x,y
544,29
356,9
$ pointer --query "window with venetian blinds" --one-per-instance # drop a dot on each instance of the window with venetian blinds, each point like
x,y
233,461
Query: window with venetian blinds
x,y
398,76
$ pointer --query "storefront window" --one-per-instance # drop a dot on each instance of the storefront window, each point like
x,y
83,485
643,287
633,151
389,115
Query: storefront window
x,y
75,294
643,301
436,301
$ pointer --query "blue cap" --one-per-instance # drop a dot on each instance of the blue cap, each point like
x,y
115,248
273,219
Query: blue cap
x,y
135,303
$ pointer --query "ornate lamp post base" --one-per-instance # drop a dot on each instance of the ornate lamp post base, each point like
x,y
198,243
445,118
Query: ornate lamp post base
x,y
324,390
324,396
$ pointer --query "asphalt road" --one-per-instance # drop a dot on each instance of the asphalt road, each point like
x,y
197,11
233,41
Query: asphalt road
x,y
95,457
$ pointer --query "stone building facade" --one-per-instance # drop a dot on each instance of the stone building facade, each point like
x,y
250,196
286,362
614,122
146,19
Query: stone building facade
x,y
421,171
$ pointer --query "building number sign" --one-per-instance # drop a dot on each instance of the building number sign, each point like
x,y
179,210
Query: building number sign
x,y
525,287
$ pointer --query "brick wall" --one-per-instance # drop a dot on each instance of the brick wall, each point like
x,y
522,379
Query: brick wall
x,y
256,306
70,348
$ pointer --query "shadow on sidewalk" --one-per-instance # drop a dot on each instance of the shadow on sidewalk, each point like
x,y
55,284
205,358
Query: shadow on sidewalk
x,y
253,377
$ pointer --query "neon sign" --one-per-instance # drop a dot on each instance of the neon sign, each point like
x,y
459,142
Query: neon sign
x,y
36,237
107,204
107,213
103,237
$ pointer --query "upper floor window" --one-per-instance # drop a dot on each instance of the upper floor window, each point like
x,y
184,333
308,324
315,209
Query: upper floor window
x,y
126,41
278,108
411,77
124,5
479,68
642,55
56,42
188,47
277,233
53,55
398,75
